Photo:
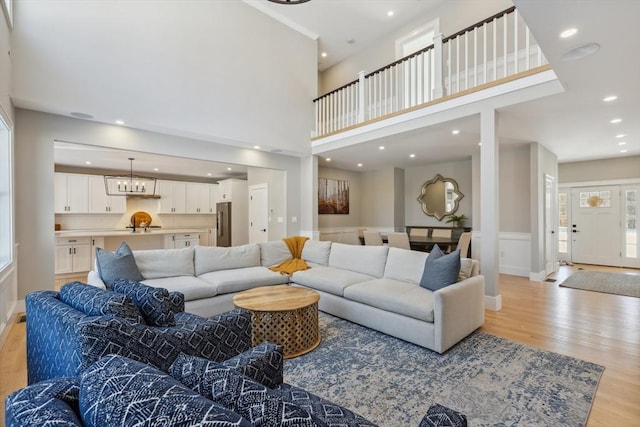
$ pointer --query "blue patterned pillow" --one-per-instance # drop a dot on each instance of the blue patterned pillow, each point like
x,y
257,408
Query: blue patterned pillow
x,y
263,363
440,270
154,303
118,264
176,301
252,400
94,301
120,391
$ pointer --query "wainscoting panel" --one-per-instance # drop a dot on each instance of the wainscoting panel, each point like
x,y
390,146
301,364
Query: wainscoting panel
x,y
514,252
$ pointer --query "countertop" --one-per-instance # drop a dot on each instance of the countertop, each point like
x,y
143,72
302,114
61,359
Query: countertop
x,y
127,232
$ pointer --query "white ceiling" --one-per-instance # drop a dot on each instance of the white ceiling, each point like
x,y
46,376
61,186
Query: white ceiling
x,y
574,125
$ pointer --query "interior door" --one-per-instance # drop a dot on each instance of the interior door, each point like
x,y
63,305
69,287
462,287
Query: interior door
x,y
595,225
258,214
549,225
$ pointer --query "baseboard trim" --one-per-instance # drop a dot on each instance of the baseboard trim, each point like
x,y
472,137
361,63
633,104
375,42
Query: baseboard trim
x,y
493,303
537,276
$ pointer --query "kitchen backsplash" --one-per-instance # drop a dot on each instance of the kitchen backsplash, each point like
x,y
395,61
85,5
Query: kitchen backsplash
x,y
114,221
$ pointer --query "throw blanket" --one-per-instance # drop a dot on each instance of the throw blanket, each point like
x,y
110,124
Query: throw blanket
x,y
290,266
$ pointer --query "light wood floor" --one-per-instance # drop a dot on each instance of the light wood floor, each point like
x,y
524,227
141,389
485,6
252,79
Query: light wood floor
x,y
592,326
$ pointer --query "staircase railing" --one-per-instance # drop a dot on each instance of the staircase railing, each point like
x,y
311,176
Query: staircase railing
x,y
495,48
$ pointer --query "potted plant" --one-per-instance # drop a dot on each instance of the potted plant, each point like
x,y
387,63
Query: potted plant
x,y
456,220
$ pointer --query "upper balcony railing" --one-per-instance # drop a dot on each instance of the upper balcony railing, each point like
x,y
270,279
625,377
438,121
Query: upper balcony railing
x,y
485,53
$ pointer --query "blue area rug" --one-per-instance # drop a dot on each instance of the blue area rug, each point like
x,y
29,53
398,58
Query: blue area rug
x,y
493,381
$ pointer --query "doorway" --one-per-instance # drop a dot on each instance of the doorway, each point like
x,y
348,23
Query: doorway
x,y
603,229
258,213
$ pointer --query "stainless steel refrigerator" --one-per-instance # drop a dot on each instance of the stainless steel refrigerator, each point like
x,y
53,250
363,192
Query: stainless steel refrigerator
x,y
223,224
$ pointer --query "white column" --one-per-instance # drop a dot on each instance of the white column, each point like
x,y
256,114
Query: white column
x,y
309,197
489,208
438,66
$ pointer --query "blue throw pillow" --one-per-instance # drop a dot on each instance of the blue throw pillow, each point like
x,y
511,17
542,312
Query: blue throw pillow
x,y
94,301
440,270
252,400
118,264
155,304
116,391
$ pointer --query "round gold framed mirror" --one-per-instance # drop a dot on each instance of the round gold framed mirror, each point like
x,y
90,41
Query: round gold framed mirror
x,y
440,197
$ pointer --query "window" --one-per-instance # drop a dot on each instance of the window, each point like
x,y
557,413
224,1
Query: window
x,y
595,199
630,223
6,205
563,222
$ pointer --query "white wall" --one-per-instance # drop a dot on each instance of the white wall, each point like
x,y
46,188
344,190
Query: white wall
x,y
515,212
35,134
460,171
454,16
220,71
380,197
599,170
5,67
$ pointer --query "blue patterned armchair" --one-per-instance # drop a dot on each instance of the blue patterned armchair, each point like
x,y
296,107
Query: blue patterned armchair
x,y
69,330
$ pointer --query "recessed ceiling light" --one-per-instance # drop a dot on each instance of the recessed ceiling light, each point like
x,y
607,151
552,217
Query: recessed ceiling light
x,y
323,54
412,155
621,135
610,98
359,165
257,147
119,122
480,144
390,13
455,132
328,159
623,151
208,174
228,169
580,52
614,121
381,147
569,32
622,143
156,169
87,162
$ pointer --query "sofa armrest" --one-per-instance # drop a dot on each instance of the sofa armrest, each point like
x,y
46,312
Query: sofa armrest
x,y
263,363
93,279
52,402
458,310
216,338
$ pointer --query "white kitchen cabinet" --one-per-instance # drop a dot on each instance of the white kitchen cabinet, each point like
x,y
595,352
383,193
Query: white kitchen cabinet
x,y
177,241
231,190
197,198
99,202
71,193
172,197
72,255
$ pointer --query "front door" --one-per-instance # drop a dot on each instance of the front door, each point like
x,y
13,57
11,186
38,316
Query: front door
x,y
595,225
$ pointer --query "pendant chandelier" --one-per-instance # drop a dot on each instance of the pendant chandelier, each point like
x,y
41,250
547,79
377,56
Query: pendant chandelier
x,y
129,185
288,1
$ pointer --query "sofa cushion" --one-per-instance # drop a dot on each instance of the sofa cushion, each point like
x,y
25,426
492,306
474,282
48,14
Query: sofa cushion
x,y
93,301
466,269
403,298
241,279
154,303
273,253
118,264
440,270
362,259
405,265
192,287
239,393
120,391
212,258
329,279
316,252
155,263
263,363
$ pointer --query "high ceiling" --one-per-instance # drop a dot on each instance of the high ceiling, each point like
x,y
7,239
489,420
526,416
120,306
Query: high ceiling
x,y
574,124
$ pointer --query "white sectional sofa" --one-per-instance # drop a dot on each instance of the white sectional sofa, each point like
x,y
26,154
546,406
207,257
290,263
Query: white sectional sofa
x,y
375,286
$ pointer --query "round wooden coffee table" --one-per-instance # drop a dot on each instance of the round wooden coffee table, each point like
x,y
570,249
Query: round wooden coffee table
x,y
284,315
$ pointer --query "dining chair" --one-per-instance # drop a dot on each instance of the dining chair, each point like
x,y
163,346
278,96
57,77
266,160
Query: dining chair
x,y
419,232
463,244
350,238
398,240
372,238
441,232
